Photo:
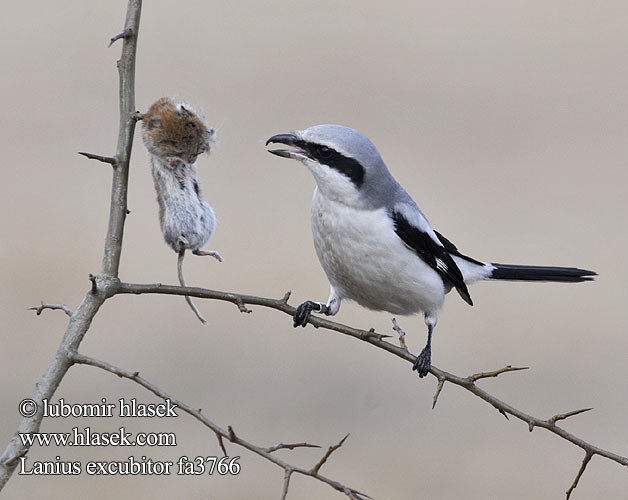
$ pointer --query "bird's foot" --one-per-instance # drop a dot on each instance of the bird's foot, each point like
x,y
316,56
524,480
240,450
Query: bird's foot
x,y
202,253
302,314
423,361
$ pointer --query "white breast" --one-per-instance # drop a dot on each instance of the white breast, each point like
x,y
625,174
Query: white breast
x,y
367,262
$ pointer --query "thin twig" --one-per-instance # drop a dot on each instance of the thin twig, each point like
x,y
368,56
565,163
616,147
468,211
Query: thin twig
x,y
585,462
125,34
439,388
286,483
105,159
43,306
291,446
221,443
355,495
327,454
506,369
563,416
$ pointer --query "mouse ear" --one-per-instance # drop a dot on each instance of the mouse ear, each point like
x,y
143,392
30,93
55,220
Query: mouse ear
x,y
153,121
184,111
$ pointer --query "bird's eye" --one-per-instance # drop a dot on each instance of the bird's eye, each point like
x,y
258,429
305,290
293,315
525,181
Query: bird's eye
x,y
324,151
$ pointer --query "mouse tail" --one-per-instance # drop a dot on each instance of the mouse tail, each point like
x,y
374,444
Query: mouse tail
x,y
182,282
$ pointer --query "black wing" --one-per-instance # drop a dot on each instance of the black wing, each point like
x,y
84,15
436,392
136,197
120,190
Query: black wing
x,y
434,255
451,248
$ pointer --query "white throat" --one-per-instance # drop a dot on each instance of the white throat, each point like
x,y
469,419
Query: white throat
x,y
334,185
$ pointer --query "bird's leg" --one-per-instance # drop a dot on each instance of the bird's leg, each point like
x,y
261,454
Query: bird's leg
x,y
423,361
202,253
302,314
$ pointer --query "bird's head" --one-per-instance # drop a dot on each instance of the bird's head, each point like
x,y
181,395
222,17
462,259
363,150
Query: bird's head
x,y
345,164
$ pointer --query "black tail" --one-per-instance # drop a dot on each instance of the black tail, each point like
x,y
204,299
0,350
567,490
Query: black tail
x,y
541,273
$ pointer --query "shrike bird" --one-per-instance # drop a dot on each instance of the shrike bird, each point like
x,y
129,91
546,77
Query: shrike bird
x,y
374,243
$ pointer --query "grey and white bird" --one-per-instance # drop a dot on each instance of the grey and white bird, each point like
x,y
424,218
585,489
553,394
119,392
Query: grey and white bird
x,y
374,243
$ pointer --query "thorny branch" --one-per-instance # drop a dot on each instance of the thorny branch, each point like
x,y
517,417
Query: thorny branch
x,y
102,285
229,433
373,338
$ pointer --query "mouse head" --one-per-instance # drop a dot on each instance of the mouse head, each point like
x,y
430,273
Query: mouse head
x,y
173,131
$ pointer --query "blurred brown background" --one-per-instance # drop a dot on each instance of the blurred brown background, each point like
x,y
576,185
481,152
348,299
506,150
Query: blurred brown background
x,y
505,121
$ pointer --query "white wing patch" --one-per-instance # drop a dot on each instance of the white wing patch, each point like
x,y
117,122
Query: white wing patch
x,y
440,264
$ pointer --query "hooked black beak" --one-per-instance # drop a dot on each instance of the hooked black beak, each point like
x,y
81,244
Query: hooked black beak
x,y
288,140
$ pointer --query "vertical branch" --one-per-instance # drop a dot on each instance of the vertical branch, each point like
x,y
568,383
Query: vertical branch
x,y
118,207
106,284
